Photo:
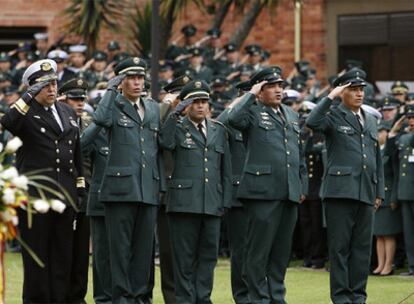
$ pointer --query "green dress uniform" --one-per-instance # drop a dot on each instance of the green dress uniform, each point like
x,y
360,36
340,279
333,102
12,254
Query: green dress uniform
x,y
353,180
271,184
95,146
236,216
130,186
387,220
198,193
403,148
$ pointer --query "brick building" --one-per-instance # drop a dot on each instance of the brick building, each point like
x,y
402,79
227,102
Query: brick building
x,y
379,32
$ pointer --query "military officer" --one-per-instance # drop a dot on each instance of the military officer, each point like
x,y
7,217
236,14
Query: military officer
x,y
198,192
95,146
50,138
389,108
402,147
353,184
236,217
131,183
75,91
97,73
399,90
272,183
196,63
254,52
77,57
42,44
388,217
64,74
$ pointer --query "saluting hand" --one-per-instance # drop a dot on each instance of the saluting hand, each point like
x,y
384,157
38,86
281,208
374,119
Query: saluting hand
x,y
396,127
181,106
115,82
257,87
338,91
33,90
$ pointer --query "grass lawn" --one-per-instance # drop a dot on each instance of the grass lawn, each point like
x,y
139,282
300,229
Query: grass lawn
x,y
303,286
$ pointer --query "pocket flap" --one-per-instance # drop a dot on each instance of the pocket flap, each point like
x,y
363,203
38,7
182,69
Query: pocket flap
x,y
258,169
219,149
118,171
180,183
338,171
104,151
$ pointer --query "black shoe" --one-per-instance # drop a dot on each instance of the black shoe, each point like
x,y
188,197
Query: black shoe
x,y
318,265
375,273
307,264
407,274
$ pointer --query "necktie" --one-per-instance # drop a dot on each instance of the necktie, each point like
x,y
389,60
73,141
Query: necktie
x,y
361,124
282,118
140,114
200,129
49,112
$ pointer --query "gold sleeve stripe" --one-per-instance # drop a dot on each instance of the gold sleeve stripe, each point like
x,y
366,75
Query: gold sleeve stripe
x,y
21,106
80,182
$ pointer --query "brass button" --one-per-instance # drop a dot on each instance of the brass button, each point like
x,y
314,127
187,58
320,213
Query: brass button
x,y
205,149
70,170
118,174
365,156
365,167
288,165
206,169
285,140
311,156
142,128
57,150
143,152
70,161
206,180
179,186
70,151
143,165
385,188
405,156
58,160
205,160
311,163
257,173
237,182
57,170
404,165
364,145
70,142
362,135
403,174
142,139
288,152
338,172
310,169
56,142
310,175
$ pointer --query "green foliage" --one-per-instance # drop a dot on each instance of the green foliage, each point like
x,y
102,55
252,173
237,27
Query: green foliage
x,y
177,6
140,24
86,18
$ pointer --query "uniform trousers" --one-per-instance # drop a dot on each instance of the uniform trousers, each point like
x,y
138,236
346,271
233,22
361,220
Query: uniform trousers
x,y
166,263
130,227
270,226
80,260
237,224
350,229
313,235
195,242
100,261
51,238
407,211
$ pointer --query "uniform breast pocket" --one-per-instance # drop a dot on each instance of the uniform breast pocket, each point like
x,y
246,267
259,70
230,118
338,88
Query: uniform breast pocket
x,y
125,132
345,135
339,179
266,130
180,191
189,155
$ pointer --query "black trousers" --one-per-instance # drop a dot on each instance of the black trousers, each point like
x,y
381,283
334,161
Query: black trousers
x,y
166,263
80,260
313,234
51,238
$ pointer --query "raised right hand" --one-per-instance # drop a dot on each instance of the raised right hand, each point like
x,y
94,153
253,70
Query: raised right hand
x,y
113,83
33,90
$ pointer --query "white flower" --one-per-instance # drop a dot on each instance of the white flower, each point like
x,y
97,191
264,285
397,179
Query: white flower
x,y
13,145
57,205
1,147
41,206
15,220
21,182
9,196
9,173
6,216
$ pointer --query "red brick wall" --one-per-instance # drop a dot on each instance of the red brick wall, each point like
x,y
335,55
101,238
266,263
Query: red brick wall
x,y
273,30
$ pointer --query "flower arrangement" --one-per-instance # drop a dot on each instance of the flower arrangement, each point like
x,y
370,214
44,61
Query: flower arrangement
x,y
14,194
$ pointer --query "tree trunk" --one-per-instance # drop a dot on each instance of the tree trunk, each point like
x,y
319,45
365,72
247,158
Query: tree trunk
x,y
166,25
246,24
221,14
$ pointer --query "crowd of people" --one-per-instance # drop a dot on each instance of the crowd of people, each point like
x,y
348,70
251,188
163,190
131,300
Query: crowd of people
x,y
231,158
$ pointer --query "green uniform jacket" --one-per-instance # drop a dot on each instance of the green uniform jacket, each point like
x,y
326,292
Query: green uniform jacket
x,y
403,154
133,172
354,166
94,142
238,155
390,181
201,178
275,167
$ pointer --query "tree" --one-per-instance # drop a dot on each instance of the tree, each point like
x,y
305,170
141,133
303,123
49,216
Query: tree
x,y
86,18
141,29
